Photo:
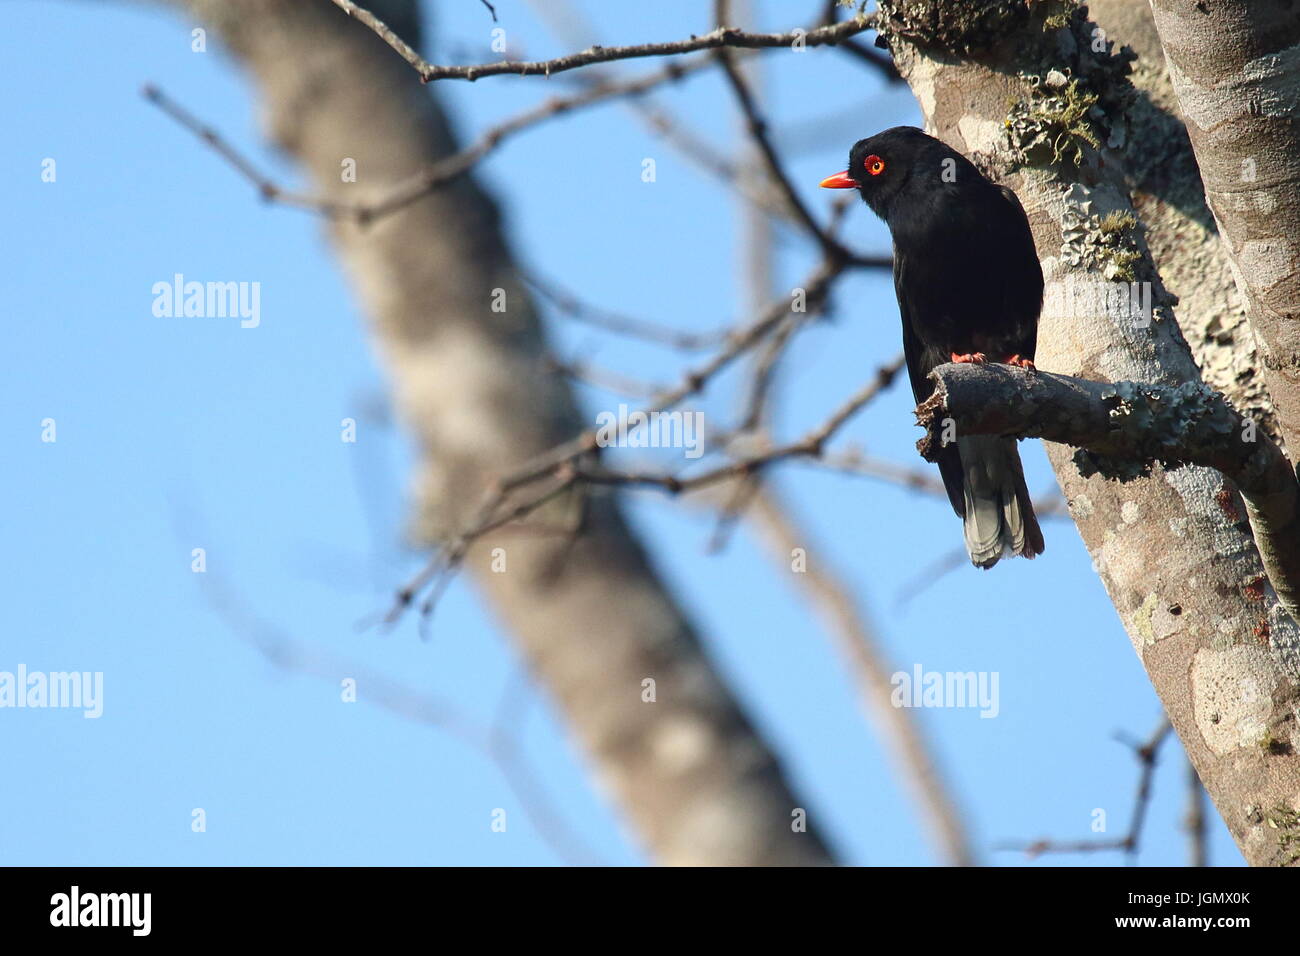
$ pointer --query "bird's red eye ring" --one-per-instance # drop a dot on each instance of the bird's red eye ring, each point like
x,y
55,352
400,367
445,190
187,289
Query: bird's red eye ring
x,y
874,164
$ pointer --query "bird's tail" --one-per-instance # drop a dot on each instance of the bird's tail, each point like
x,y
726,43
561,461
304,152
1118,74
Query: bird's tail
x,y
999,515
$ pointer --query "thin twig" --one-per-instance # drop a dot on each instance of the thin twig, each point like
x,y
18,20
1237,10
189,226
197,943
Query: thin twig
x,y
573,307
589,374
571,28
715,39
266,188
438,572
815,288
573,463
503,746
880,62
1146,754
764,373
742,494
758,131
448,169
438,174
810,445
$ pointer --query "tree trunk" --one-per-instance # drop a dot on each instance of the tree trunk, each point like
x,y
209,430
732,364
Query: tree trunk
x,y
1174,549
1236,69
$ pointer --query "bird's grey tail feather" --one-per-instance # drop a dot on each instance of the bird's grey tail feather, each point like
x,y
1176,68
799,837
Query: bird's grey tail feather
x,y
999,516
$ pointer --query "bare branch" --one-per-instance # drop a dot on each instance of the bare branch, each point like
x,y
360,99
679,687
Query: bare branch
x,y
880,62
758,131
502,745
438,572
445,170
810,446
570,27
610,381
815,288
721,37
1146,754
438,174
575,463
741,497
266,188
764,372
630,326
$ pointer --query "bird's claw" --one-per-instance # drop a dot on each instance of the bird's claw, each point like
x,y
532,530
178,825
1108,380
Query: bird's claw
x,y
1021,362
974,358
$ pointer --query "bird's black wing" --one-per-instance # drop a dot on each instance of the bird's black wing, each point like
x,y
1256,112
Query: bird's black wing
x,y
1023,289
921,361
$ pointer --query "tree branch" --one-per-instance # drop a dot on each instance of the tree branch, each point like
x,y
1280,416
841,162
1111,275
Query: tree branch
x,y
567,465
721,37
432,176
1122,429
881,62
1146,754
630,326
758,132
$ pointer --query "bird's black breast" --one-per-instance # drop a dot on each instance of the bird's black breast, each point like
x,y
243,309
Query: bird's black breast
x,y
966,273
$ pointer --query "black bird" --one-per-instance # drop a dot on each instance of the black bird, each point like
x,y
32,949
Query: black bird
x,y
969,290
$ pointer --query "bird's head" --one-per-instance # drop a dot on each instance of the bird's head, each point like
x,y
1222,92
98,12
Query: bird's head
x,y
880,165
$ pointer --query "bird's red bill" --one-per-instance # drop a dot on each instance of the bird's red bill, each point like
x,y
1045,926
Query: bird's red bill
x,y
839,181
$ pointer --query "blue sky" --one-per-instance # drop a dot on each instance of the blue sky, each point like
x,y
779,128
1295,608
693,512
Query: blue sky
x,y
183,433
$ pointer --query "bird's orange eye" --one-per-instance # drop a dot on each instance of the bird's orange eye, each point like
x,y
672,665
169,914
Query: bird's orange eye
x,y
874,165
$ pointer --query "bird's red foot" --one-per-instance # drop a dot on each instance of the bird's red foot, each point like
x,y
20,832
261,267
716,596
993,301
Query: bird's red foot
x,y
975,358
1020,362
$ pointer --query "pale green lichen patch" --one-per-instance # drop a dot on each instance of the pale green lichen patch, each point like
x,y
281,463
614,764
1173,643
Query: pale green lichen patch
x,y
1107,242
1160,422
1142,619
1057,15
1076,95
1053,123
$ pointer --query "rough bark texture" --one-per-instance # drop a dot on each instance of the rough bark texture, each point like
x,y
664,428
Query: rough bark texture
x,y
590,615
1173,550
1236,69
